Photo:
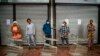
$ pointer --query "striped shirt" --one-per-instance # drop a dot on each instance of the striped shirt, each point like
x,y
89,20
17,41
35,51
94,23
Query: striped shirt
x,y
64,30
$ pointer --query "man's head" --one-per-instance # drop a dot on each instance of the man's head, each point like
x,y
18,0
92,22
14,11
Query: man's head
x,y
47,22
91,21
15,23
29,21
65,23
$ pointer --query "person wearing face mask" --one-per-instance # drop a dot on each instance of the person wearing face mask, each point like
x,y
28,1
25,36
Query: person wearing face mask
x,y
30,33
91,31
64,31
47,31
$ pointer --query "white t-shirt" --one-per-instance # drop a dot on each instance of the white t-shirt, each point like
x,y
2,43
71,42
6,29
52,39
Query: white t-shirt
x,y
30,29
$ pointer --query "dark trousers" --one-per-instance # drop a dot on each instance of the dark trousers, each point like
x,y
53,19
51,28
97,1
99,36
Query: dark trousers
x,y
64,39
48,36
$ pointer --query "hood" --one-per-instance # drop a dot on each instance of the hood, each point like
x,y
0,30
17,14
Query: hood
x,y
47,21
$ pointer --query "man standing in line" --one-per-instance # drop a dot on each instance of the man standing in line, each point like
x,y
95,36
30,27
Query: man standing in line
x,y
91,31
64,32
47,31
30,33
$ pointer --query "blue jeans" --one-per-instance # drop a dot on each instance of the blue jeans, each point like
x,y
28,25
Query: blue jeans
x,y
64,39
31,40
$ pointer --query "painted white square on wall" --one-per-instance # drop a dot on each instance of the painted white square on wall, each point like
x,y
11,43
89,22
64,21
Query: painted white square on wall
x,y
8,21
79,22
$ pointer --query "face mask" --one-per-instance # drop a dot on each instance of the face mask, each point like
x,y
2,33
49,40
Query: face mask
x,y
48,22
62,24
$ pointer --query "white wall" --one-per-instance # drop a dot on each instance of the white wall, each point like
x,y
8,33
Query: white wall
x,y
73,13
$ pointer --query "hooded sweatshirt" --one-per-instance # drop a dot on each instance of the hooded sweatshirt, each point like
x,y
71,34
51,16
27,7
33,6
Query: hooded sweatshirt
x,y
47,28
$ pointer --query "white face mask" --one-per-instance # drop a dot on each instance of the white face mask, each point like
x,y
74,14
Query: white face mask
x,y
62,25
48,22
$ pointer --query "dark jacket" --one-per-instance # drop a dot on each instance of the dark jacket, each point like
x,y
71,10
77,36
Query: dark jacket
x,y
47,28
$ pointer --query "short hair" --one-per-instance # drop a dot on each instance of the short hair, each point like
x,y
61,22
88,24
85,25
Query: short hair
x,y
65,22
15,22
91,20
28,19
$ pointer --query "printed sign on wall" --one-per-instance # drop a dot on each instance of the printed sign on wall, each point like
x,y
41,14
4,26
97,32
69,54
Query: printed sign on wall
x,y
8,21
